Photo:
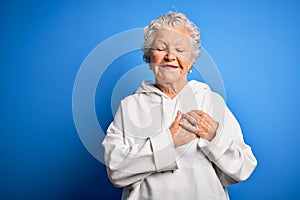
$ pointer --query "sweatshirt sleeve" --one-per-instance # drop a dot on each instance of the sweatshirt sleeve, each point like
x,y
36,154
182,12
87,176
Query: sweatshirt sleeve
x,y
130,162
232,157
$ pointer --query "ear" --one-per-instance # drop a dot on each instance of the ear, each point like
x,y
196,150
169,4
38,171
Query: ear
x,y
146,58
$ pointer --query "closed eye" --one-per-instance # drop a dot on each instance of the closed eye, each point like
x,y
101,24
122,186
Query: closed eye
x,y
161,49
180,50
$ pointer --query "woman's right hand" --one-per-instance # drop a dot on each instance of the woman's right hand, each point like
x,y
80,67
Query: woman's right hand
x,y
180,135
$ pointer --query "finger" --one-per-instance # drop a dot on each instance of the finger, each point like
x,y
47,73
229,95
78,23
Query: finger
x,y
175,125
198,112
201,121
203,128
178,116
204,119
195,115
204,122
202,114
190,118
207,116
188,126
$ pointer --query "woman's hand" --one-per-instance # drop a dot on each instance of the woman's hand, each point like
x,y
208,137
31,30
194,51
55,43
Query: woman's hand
x,y
200,123
179,134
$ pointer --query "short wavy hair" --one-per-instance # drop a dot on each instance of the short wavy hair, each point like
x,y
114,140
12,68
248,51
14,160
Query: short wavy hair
x,y
171,20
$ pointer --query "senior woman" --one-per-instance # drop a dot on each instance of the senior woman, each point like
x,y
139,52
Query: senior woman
x,y
175,139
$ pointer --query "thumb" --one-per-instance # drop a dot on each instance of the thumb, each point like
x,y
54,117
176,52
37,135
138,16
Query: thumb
x,y
178,117
175,125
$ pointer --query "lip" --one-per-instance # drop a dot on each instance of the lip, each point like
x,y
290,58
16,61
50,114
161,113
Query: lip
x,y
169,66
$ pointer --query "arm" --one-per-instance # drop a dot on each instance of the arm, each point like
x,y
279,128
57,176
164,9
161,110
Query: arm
x,y
130,160
233,158
221,141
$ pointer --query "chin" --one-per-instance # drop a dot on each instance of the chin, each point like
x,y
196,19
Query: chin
x,y
168,80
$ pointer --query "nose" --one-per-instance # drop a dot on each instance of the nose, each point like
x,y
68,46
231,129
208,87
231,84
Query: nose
x,y
170,56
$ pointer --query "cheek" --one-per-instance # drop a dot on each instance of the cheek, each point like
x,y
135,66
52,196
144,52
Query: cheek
x,y
156,57
153,62
185,63
189,58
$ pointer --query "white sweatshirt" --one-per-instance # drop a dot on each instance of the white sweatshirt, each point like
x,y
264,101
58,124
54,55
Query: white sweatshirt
x,y
140,155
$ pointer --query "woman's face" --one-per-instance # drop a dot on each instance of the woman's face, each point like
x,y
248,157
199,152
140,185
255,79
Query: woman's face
x,y
171,55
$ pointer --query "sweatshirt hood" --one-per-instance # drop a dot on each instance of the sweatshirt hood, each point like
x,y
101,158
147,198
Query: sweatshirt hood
x,y
148,87
185,100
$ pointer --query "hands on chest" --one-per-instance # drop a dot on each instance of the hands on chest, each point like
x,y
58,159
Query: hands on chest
x,y
191,125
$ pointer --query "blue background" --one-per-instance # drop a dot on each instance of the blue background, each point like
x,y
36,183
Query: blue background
x,y
255,45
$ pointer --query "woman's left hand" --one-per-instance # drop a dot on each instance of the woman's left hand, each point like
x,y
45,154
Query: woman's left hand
x,y
200,123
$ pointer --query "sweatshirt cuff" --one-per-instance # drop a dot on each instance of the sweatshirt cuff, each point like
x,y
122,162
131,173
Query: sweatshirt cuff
x,y
164,151
217,147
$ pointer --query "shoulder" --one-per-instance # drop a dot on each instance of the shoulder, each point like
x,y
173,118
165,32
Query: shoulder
x,y
203,87
132,98
209,96
198,86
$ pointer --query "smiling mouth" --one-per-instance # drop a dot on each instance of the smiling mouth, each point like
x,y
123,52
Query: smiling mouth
x,y
170,66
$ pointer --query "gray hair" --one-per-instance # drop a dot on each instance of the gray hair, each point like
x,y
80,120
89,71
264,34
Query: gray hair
x,y
168,21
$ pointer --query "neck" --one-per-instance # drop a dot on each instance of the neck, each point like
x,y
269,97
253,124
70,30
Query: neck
x,y
171,89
